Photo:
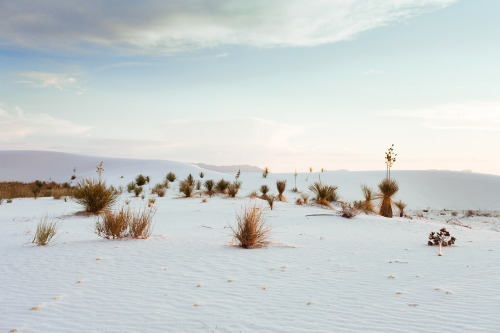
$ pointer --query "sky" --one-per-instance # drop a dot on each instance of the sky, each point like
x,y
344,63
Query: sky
x,y
286,84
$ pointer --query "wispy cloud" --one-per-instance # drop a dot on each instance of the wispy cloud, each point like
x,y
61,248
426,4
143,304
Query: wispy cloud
x,y
468,115
65,82
165,27
17,124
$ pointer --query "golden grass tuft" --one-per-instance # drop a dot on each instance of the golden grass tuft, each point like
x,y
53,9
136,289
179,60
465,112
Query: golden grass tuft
x,y
95,196
45,232
113,224
251,230
141,223
367,204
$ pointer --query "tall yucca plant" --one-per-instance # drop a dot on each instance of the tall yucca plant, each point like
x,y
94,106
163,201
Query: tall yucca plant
x,y
388,188
209,185
323,193
281,186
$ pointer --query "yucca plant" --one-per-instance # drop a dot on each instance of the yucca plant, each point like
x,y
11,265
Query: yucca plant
x,y
140,180
202,175
130,187
270,201
114,224
401,206
251,229
171,177
137,190
266,172
388,188
264,189
186,188
190,180
323,193
237,184
232,190
281,186
159,188
94,195
222,186
198,185
45,232
141,223
210,187
369,195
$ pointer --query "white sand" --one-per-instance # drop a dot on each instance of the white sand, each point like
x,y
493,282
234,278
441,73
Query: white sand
x,y
341,266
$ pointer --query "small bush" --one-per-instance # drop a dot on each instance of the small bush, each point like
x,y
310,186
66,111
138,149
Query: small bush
x,y
198,185
367,204
186,188
140,180
281,186
348,211
253,195
130,187
232,190
265,173
210,186
264,189
114,224
454,213
222,186
251,230
151,201
237,184
141,223
8,201
137,190
45,232
401,206
202,175
159,189
441,238
323,193
171,177
94,195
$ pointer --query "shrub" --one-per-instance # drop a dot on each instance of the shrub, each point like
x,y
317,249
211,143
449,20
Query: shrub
x,y
202,175
209,185
270,201
94,195
159,188
137,190
114,224
186,188
45,232
369,195
141,223
264,189
222,186
130,187
281,186
348,211
253,195
232,190
333,197
161,192
237,184
441,238
387,189
266,172
323,193
171,177
251,229
140,180
454,213
198,185
401,206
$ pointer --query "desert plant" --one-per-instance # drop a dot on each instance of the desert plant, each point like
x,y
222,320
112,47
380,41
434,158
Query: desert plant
x,y
186,188
270,201
237,184
45,232
299,201
401,206
333,196
390,158
141,223
252,195
348,211
305,198
36,188
94,195
323,193
198,185
369,195
158,188
454,213
202,175
387,189
266,172
295,181
281,186
151,200
251,229
210,187
140,180
130,187
113,224
171,177
238,174
441,238
137,190
222,186
8,201
264,189
232,190
190,180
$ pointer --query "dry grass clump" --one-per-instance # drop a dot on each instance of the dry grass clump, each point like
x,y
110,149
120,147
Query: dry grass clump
x,y
281,186
264,189
222,186
348,210
252,195
210,187
141,180
324,193
251,230
270,201
138,190
94,195
159,189
141,224
387,190
130,187
45,232
11,190
187,188
171,177
233,189
367,205
401,206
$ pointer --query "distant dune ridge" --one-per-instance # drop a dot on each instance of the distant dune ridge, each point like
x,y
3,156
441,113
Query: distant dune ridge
x,y
419,188
230,168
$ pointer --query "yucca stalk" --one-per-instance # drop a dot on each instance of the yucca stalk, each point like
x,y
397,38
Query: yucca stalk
x,y
388,188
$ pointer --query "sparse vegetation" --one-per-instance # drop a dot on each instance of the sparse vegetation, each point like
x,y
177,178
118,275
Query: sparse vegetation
x,y
186,187
251,229
401,206
45,232
11,190
264,189
387,190
198,185
323,193
171,177
270,201
130,187
367,204
266,172
202,175
348,211
137,190
94,195
210,187
390,158
441,238
159,189
141,180
281,186
113,224
141,223
232,190
222,186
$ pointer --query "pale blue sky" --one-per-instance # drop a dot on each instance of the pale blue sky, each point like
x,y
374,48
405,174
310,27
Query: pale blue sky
x,y
288,84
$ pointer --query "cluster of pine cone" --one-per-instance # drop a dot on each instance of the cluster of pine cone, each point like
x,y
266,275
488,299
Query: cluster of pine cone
x,y
441,237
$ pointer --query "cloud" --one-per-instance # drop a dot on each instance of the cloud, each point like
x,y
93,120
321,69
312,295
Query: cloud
x,y
65,82
468,115
19,125
166,27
